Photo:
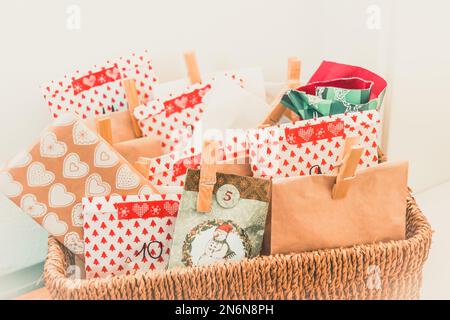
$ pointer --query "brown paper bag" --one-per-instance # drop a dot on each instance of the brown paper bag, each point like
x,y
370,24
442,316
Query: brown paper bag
x,y
124,140
120,126
132,150
304,216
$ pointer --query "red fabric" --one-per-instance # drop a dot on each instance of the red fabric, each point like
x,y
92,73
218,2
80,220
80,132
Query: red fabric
x,y
331,70
348,83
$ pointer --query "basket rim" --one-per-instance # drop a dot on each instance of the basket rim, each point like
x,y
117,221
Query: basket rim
x,y
55,270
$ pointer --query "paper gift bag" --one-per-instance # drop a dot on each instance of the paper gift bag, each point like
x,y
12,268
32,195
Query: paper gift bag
x,y
125,234
304,215
324,98
134,149
177,110
170,169
230,106
99,90
117,129
309,106
331,70
68,162
292,149
231,231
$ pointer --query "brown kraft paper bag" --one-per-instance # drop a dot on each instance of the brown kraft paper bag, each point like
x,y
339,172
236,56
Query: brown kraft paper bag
x,y
304,217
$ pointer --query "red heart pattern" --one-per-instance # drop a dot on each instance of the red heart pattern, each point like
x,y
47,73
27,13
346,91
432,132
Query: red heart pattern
x,y
125,234
99,90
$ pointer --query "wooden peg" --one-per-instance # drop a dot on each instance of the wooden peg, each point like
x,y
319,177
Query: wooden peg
x,y
104,129
293,81
133,101
207,176
192,67
294,70
277,111
346,172
350,142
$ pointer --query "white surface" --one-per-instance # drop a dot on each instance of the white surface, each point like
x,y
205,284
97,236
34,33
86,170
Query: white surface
x,y
419,74
435,204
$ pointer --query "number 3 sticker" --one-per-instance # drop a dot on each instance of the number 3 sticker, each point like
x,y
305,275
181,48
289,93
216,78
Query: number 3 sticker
x,y
227,196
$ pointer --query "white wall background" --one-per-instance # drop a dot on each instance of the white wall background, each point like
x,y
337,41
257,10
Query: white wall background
x,y
408,47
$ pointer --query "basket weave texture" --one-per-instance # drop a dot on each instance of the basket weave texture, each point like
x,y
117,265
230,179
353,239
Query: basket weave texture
x,y
391,270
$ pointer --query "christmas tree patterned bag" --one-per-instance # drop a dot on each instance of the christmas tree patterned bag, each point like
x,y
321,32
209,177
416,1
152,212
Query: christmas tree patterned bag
x,y
125,234
99,90
231,231
297,148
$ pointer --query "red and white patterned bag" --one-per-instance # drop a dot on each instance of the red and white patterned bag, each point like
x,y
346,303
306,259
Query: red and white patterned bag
x,y
125,234
99,90
172,119
292,149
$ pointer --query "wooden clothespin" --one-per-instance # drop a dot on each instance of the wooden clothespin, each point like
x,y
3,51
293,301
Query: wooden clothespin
x,y
294,69
350,141
207,176
133,101
346,172
192,67
104,129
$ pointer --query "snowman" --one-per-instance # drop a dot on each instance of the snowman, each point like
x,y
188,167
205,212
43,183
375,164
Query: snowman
x,y
218,249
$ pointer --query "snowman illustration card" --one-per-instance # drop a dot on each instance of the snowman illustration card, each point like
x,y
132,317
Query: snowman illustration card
x,y
67,163
232,231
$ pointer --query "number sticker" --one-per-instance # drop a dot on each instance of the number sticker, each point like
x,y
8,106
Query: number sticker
x,y
227,196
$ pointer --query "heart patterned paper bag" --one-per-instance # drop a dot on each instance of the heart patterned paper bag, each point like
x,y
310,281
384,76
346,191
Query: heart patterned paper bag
x,y
293,149
68,162
232,231
97,91
125,234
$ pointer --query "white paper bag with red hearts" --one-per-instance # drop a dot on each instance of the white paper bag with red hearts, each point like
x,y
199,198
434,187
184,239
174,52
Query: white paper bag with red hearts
x,y
127,234
99,90
293,149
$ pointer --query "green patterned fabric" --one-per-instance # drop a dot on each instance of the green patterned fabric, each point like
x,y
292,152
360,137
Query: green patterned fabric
x,y
354,96
309,106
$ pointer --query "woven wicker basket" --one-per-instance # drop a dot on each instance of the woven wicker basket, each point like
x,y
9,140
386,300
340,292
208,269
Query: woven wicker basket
x,y
390,270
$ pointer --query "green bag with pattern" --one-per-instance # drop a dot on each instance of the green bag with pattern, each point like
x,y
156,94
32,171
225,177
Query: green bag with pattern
x,y
309,106
231,231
